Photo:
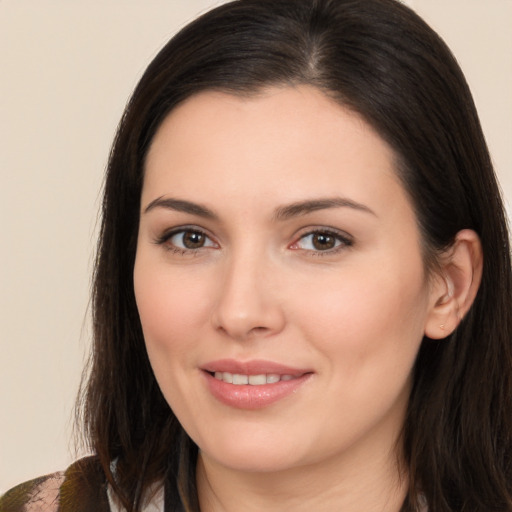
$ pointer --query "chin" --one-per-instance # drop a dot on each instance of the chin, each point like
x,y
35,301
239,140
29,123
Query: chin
x,y
253,462
252,454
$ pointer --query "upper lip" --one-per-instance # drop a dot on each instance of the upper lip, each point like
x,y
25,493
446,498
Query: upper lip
x,y
253,367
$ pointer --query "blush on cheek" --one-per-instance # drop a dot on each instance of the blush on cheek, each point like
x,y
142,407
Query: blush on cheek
x,y
360,318
163,301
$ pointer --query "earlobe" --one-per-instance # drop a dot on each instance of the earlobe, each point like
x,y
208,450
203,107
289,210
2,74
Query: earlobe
x,y
455,288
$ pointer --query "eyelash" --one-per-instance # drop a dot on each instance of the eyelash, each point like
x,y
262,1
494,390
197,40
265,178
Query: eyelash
x,y
182,251
343,241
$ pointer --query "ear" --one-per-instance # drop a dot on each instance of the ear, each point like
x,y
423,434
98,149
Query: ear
x,y
454,289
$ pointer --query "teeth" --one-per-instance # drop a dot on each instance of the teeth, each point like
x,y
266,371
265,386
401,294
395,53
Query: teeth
x,y
253,380
240,379
257,380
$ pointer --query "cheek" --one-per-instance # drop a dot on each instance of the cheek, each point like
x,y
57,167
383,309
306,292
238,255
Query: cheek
x,y
368,331
170,308
369,319
172,321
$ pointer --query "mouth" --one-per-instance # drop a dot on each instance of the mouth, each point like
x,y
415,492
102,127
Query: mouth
x,y
240,379
253,384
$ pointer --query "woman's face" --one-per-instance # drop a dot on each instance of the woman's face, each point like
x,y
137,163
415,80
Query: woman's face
x,y
279,280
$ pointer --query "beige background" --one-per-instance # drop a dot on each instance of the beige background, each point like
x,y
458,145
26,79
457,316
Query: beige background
x,y
66,71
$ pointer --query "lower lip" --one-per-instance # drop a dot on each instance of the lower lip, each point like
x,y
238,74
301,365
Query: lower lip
x,y
245,396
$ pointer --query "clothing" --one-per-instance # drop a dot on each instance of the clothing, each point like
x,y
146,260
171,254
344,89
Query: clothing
x,y
81,488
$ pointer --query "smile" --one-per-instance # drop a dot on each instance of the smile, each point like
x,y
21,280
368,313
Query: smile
x,y
252,380
252,385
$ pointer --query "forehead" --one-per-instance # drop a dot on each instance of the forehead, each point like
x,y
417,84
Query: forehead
x,y
279,144
284,111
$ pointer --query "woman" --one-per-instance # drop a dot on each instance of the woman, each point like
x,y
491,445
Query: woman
x,y
302,289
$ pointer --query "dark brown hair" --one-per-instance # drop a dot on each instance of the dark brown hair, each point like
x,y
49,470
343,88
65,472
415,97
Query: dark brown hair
x,y
381,60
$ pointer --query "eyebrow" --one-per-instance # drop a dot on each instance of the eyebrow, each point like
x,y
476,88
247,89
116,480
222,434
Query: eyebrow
x,y
282,213
180,205
304,207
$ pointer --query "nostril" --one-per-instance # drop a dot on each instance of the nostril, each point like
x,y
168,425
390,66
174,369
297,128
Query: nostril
x,y
244,319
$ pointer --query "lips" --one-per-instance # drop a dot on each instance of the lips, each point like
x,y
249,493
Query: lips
x,y
253,384
239,379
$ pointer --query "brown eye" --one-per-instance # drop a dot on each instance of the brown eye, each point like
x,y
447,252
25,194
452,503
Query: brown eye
x,y
323,241
193,239
188,240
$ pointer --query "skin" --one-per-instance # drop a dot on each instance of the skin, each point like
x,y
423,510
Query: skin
x,y
354,315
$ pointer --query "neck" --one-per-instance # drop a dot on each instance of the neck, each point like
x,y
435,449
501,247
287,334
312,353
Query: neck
x,y
356,485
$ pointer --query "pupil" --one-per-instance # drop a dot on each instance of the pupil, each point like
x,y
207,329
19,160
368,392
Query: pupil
x,y
323,241
193,240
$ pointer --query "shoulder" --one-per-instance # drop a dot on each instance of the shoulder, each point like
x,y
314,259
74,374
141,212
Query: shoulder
x,y
38,494
81,488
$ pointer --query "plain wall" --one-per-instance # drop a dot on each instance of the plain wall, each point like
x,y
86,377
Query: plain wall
x,y
66,71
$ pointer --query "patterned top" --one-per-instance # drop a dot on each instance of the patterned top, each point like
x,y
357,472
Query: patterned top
x,y
82,487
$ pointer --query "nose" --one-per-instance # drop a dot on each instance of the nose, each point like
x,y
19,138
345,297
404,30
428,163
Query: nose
x,y
247,304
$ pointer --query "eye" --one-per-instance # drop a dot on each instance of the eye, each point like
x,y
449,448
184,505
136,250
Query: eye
x,y
186,239
322,241
190,239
